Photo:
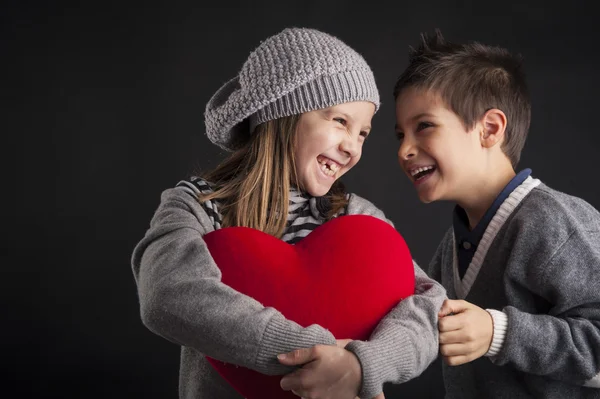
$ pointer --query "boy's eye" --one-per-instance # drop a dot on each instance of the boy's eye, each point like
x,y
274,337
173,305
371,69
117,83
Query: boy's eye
x,y
423,125
364,134
399,135
340,120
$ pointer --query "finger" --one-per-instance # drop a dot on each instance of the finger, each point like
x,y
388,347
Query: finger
x,y
455,350
294,382
451,337
452,323
456,360
297,357
451,306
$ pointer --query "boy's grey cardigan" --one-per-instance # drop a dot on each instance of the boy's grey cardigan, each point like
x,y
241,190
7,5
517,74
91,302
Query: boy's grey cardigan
x,y
537,270
183,300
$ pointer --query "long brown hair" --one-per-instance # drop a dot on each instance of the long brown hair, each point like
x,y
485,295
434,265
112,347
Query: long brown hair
x,y
253,184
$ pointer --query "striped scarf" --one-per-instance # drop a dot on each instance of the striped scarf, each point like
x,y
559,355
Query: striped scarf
x,y
305,213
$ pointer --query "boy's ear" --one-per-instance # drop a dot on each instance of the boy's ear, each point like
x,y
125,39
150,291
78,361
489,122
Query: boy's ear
x,y
493,128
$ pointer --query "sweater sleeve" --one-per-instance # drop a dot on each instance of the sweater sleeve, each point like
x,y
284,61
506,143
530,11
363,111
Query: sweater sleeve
x,y
560,344
405,341
183,299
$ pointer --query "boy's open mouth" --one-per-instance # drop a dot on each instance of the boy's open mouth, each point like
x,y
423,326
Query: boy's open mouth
x,y
419,173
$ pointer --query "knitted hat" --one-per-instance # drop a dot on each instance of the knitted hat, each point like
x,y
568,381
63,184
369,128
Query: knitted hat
x,y
295,71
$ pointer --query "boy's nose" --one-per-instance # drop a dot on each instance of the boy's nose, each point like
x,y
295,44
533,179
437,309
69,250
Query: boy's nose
x,y
406,151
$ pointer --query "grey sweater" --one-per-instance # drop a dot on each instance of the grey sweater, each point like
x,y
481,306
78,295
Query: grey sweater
x,y
183,300
538,266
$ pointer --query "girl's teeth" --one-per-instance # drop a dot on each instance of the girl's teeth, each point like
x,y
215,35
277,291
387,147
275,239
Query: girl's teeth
x,y
327,171
330,168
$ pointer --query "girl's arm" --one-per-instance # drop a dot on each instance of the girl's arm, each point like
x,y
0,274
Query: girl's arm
x,y
183,299
405,342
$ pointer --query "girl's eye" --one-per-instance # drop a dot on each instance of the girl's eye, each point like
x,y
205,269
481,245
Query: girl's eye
x,y
399,135
341,121
364,134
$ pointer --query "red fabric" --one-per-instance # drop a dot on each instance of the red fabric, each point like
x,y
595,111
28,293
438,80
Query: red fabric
x,y
345,276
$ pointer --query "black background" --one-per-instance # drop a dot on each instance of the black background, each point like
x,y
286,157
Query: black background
x,y
103,109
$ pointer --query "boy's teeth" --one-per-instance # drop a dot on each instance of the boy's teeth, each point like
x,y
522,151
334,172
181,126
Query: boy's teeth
x,y
419,170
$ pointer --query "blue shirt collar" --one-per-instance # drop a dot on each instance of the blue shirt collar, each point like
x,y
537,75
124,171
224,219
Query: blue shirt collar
x,y
461,221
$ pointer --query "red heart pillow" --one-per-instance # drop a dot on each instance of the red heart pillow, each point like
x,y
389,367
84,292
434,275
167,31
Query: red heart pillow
x,y
345,276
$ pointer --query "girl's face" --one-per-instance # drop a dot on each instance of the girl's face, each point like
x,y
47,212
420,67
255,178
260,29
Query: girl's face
x,y
329,143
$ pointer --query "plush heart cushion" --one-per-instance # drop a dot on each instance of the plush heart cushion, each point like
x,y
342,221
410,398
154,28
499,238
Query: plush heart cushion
x,y
345,276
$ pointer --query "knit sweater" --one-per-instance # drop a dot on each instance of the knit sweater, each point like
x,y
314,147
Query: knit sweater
x,y
537,271
183,300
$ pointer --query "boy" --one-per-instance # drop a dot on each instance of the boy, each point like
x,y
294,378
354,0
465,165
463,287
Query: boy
x,y
522,261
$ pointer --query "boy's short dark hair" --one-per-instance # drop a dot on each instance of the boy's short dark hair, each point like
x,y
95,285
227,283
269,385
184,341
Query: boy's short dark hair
x,y
472,79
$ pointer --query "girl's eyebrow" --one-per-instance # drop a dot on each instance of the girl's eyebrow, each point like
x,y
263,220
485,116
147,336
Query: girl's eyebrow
x,y
346,116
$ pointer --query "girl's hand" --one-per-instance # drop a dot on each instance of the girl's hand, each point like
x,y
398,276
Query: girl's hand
x,y
341,343
328,372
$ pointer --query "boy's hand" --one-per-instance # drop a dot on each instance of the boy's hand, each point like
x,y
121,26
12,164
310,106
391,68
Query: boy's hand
x,y
328,372
466,331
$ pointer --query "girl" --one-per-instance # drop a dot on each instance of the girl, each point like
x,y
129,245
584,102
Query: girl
x,y
295,117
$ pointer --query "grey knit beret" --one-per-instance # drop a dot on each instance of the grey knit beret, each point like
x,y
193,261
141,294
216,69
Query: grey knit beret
x,y
295,71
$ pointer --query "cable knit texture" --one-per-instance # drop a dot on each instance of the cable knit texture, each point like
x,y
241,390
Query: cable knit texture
x,y
295,71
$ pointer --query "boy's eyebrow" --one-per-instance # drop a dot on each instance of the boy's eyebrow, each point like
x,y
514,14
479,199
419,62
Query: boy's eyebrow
x,y
414,118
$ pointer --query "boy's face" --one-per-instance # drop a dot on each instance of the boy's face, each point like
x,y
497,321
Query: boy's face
x,y
440,157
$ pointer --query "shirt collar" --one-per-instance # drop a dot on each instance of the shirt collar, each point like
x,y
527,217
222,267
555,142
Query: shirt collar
x,y
461,221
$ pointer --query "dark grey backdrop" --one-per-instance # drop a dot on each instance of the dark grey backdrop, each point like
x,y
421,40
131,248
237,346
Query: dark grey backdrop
x,y
103,109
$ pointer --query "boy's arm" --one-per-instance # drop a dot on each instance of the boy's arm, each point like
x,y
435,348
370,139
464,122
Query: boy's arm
x,y
562,344
183,299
